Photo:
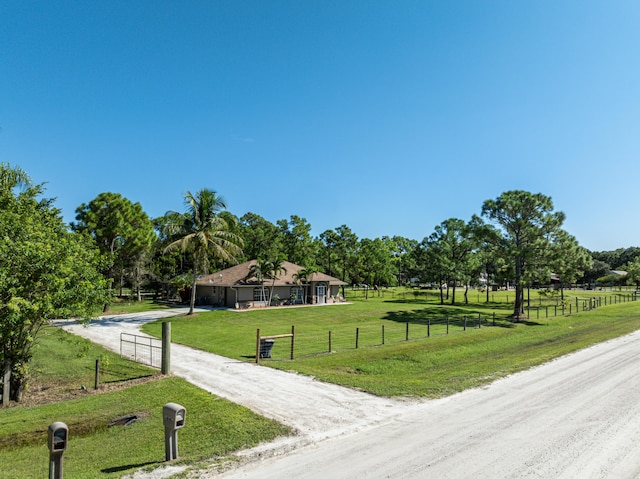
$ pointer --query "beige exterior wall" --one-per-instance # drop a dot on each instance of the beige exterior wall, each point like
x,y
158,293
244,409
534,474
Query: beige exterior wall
x,y
226,296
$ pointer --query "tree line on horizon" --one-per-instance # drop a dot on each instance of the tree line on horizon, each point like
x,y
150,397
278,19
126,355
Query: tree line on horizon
x,y
516,240
49,269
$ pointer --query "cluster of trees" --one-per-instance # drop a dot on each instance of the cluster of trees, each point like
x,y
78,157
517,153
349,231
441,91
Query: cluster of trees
x,y
517,238
46,272
621,259
52,270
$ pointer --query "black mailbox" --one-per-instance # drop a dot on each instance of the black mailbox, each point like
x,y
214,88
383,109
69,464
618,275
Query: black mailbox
x,y
58,437
173,416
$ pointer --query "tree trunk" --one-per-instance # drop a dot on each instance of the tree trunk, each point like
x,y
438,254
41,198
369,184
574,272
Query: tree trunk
x,y
518,307
192,303
16,388
6,384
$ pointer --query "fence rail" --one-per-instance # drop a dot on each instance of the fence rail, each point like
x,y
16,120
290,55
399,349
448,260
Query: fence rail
x,y
141,349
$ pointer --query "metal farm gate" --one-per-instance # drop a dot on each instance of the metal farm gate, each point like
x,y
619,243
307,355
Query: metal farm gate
x,y
141,349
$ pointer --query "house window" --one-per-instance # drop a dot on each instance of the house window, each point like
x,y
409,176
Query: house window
x,y
260,294
297,294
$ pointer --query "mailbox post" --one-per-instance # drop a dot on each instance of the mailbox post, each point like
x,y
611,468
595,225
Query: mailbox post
x,y
173,416
58,439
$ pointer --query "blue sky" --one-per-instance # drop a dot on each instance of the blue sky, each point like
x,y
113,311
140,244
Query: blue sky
x,y
386,116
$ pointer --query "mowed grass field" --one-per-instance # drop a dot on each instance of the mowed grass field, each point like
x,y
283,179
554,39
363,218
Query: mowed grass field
x,y
428,367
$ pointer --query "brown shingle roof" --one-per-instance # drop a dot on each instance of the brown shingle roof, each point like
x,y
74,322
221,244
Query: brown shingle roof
x,y
239,275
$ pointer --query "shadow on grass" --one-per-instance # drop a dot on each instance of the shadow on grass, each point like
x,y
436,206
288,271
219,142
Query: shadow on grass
x,y
454,315
127,467
459,304
124,380
531,323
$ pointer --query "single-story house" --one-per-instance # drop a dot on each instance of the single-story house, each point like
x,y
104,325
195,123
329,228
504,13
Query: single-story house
x,y
237,287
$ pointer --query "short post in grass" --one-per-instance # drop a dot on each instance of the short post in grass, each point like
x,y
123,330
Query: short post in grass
x,y
330,342
97,377
465,323
166,348
383,334
293,340
357,336
406,334
257,346
479,321
429,328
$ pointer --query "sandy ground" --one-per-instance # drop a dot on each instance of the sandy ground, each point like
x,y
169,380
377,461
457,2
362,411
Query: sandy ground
x,y
575,417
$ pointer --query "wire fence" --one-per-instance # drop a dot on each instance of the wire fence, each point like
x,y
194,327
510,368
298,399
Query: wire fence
x,y
386,332
540,296
347,337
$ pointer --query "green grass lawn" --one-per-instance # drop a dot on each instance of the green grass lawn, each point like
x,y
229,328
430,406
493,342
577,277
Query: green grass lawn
x,y
424,367
63,364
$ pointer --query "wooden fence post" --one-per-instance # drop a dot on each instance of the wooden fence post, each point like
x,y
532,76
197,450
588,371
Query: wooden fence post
x,y
97,378
293,339
257,346
166,348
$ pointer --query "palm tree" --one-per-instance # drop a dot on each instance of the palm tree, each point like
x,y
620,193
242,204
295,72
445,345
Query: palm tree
x,y
203,231
302,278
272,270
13,177
258,271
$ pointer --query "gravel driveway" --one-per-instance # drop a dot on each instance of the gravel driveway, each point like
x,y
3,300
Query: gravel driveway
x,y
575,417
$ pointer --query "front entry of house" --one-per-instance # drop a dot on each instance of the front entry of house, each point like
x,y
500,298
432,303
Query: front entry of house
x,y
321,294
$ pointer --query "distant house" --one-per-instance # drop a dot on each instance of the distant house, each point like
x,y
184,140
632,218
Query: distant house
x,y
237,287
